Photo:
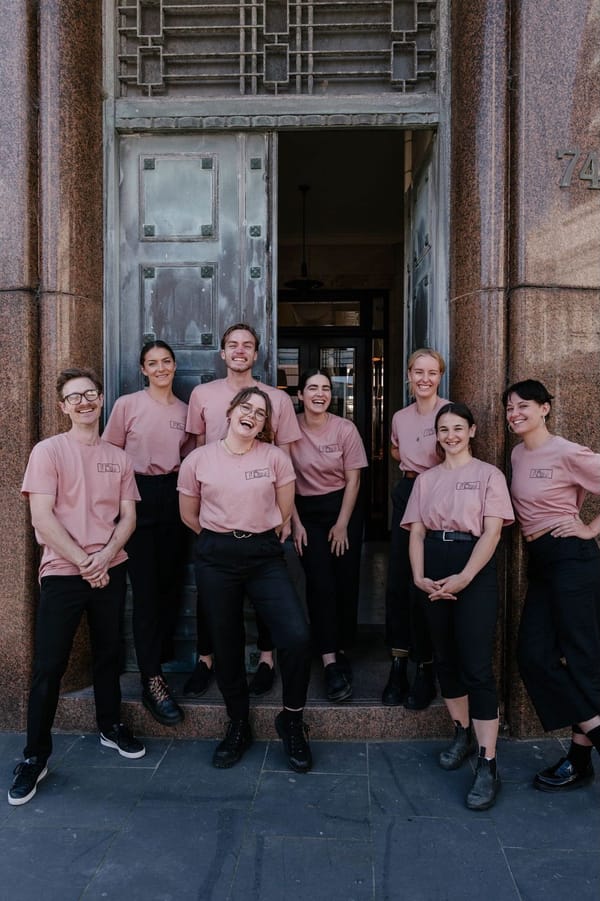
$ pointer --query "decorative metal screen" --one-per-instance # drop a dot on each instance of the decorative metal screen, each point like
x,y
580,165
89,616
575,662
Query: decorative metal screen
x,y
198,48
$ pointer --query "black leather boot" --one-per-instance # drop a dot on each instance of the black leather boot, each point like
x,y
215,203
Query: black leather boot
x,y
463,746
422,691
396,690
486,784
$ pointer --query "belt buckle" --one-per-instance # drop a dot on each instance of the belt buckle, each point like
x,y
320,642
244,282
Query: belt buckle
x,y
237,534
446,532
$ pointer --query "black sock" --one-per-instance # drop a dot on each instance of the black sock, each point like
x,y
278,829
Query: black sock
x,y
292,715
580,755
594,737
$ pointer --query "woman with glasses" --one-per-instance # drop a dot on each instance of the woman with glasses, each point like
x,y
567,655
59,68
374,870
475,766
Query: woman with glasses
x,y
559,637
455,516
237,494
150,426
327,525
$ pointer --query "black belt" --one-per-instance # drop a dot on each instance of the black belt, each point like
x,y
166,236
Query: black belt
x,y
443,535
408,474
240,533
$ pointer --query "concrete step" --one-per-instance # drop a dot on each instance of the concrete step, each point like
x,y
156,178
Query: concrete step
x,y
361,718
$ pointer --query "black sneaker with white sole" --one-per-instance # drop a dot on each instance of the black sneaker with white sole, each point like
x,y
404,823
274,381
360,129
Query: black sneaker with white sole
x,y
27,775
121,739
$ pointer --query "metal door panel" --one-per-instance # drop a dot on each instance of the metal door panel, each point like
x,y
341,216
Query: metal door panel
x,y
194,249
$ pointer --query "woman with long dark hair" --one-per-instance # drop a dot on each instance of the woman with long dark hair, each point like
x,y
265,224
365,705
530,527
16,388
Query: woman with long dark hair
x,y
327,525
150,426
559,636
455,515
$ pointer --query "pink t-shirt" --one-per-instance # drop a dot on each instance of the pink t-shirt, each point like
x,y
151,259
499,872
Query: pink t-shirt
x,y
236,492
152,434
549,484
322,456
413,434
209,403
88,483
457,500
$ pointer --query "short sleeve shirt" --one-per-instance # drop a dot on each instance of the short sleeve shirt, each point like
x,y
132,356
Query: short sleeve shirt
x,y
152,434
88,483
413,434
322,456
236,491
209,403
549,483
458,500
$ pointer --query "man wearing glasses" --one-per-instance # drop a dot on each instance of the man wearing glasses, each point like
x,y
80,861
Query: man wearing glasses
x,y
207,420
82,495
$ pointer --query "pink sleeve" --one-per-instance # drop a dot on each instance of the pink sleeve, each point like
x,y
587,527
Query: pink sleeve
x,y
129,489
584,465
284,471
187,482
394,435
497,499
355,456
413,508
41,476
195,423
114,430
288,429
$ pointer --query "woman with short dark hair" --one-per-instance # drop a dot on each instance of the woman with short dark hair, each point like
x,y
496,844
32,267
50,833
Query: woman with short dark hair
x,y
559,636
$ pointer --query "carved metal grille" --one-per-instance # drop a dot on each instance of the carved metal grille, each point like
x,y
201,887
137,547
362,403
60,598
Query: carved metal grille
x,y
199,48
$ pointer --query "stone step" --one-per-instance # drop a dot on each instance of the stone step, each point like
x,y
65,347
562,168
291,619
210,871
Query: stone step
x,y
362,718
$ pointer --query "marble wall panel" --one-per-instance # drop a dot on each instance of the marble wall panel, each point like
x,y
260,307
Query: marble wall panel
x,y
556,111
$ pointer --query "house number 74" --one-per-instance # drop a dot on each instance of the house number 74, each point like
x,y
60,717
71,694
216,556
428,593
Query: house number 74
x,y
588,170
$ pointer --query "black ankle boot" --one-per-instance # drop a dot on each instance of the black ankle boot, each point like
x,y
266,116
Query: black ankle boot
x,y
486,784
396,690
463,746
422,691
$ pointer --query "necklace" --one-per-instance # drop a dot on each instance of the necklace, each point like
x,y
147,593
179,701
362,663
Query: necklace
x,y
236,453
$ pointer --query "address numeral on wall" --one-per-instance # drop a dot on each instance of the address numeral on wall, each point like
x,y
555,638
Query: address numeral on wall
x,y
588,171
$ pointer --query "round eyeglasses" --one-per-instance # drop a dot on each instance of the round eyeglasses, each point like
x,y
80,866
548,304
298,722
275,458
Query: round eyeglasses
x,y
75,397
249,410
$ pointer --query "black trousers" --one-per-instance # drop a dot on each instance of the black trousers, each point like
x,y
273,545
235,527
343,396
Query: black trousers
x,y
561,619
332,582
406,625
63,599
463,630
227,568
156,557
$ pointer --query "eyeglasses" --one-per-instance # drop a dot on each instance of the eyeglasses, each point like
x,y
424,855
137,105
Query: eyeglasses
x,y
76,398
249,410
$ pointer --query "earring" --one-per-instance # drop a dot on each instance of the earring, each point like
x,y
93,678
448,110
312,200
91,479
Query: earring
x,y
544,420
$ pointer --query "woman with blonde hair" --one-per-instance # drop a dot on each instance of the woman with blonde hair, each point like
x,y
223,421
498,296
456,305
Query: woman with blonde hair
x,y
413,447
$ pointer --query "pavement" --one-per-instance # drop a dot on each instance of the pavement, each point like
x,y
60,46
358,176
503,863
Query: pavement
x,y
373,820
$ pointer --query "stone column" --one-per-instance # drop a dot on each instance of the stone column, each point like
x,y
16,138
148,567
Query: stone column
x,y
71,213
554,301
478,229
18,345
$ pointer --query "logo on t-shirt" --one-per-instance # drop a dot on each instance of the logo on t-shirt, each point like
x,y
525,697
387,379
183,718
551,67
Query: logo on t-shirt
x,y
108,467
177,425
427,433
468,486
540,473
257,473
329,448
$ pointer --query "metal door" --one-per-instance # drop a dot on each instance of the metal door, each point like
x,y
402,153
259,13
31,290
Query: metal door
x,y
194,251
426,319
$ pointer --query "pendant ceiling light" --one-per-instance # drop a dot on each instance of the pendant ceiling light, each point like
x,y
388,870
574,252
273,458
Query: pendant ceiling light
x,y
304,283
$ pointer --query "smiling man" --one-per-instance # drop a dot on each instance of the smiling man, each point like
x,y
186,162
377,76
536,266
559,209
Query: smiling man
x,y
207,420
82,497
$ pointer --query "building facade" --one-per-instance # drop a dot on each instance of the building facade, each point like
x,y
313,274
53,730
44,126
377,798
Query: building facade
x,y
171,167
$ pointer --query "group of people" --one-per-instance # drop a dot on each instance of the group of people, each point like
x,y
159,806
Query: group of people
x,y
243,472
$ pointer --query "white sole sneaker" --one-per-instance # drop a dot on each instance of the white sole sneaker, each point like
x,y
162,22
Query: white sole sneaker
x,y
16,802
109,743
